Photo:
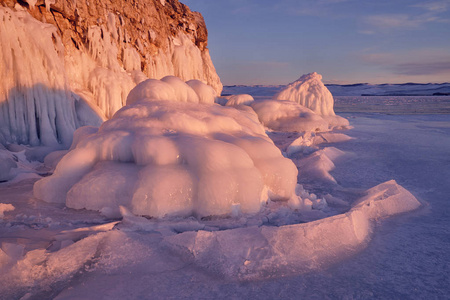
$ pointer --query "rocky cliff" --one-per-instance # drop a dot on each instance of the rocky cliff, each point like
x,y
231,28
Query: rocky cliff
x,y
63,59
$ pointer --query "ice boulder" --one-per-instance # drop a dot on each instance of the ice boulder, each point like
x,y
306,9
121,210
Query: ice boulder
x,y
206,94
172,88
7,164
184,92
240,99
169,158
310,92
288,116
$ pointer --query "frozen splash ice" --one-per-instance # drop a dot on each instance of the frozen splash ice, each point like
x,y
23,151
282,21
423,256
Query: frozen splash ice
x,y
166,154
288,116
52,84
310,92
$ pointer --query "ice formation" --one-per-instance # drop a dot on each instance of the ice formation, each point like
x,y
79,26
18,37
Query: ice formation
x,y
310,92
206,94
36,106
317,166
161,156
59,76
239,99
7,164
288,116
4,208
307,142
253,252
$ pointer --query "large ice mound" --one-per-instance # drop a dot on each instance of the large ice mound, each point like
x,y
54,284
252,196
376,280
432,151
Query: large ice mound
x,y
310,92
163,154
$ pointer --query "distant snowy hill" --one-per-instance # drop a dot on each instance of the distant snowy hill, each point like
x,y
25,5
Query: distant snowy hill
x,y
359,89
405,89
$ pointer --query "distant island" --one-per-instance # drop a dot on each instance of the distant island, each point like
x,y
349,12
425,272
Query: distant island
x,y
357,89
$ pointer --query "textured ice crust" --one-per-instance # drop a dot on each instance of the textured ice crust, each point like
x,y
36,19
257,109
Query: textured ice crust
x,y
262,252
165,154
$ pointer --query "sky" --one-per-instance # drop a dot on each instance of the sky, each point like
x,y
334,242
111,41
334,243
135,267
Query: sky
x,y
347,41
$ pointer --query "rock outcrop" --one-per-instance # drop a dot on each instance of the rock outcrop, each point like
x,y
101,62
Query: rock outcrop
x,y
100,50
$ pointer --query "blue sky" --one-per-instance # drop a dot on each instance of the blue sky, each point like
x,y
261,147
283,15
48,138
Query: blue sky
x,y
347,41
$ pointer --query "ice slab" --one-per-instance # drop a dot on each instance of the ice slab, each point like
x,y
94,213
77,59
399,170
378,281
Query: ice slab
x,y
264,252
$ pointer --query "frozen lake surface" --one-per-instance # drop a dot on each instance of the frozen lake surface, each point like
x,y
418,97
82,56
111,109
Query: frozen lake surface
x,y
393,104
407,258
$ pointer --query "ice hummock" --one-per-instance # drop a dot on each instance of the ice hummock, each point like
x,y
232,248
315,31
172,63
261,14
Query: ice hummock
x,y
284,115
240,99
310,92
166,155
303,106
256,252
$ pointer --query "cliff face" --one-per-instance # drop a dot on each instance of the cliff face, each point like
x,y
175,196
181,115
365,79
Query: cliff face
x,y
93,52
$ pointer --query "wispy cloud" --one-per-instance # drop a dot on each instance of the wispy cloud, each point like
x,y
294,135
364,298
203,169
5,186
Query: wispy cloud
x,y
434,6
422,68
421,14
413,63
317,8
389,21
